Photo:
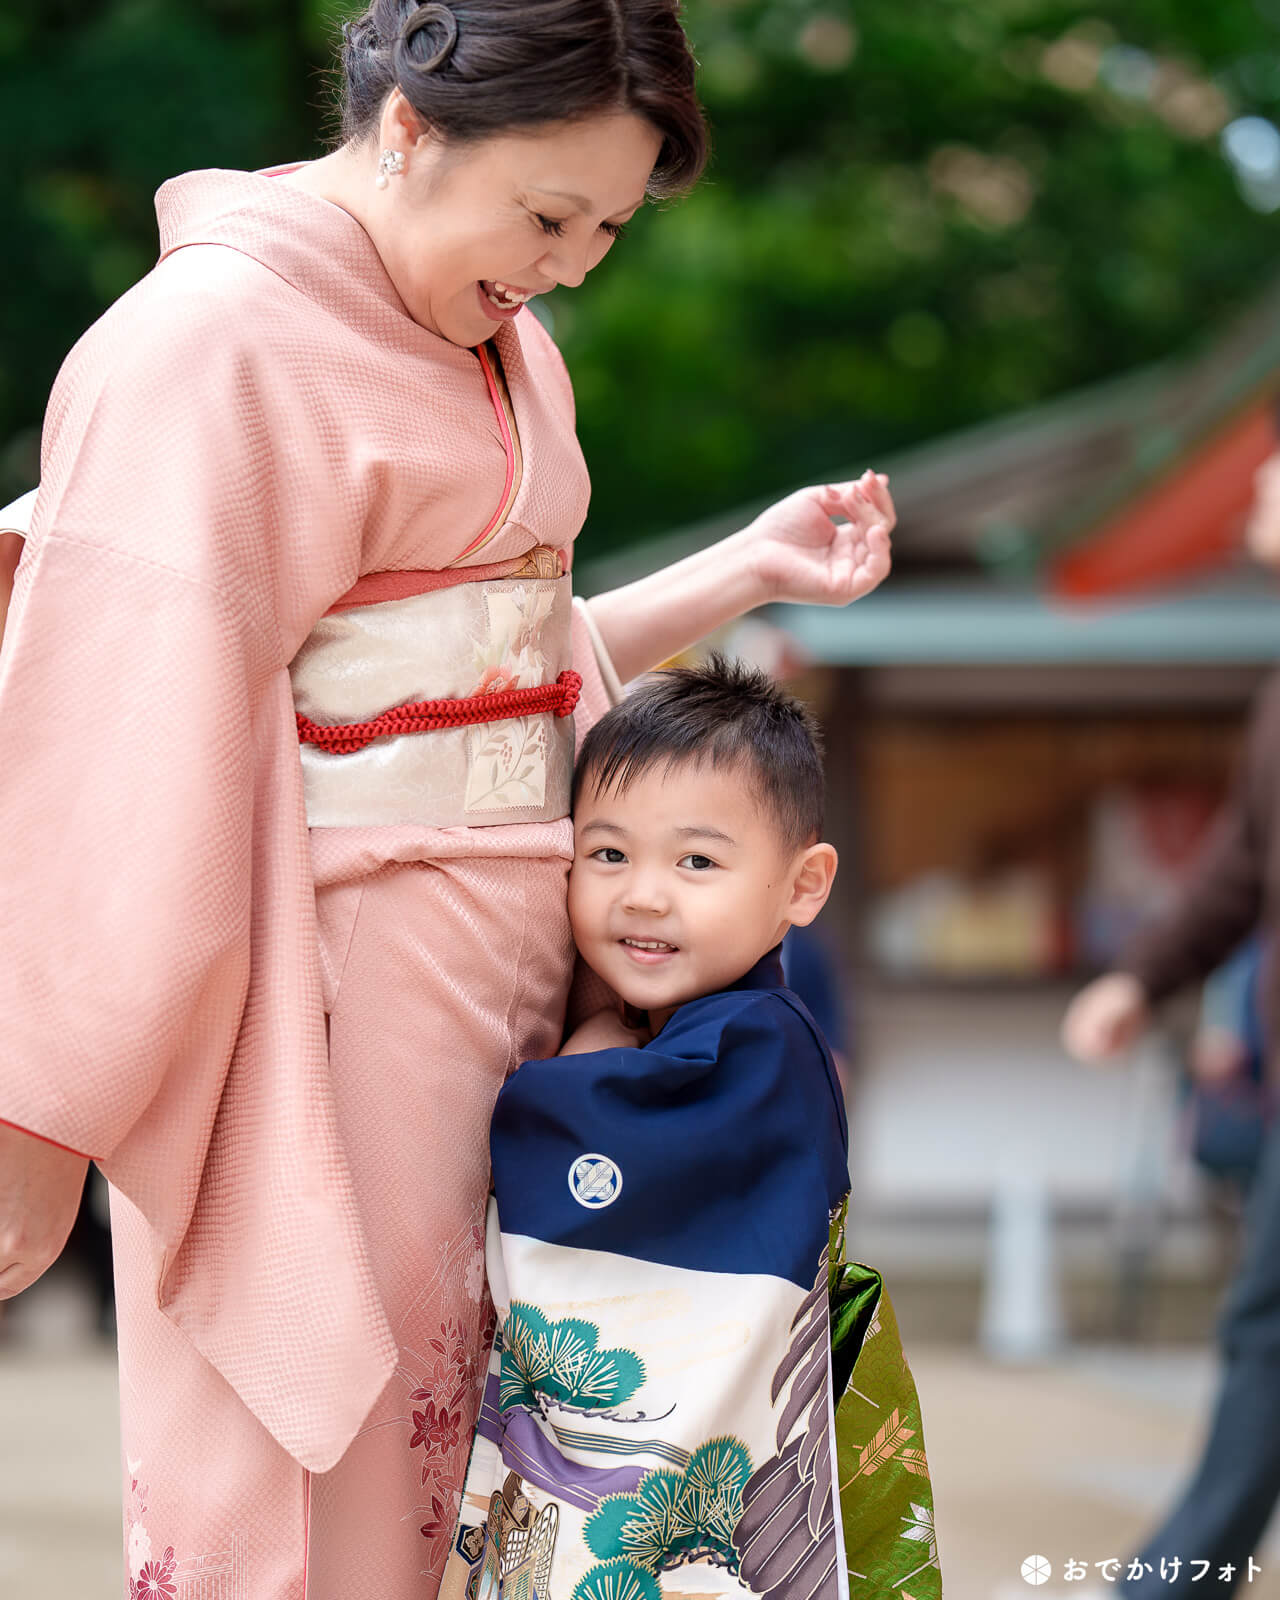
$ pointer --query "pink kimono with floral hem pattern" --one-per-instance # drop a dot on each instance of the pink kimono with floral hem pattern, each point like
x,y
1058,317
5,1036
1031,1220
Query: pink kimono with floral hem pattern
x,y
282,1046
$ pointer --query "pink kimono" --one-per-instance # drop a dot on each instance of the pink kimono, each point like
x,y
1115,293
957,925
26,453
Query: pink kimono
x,y
266,490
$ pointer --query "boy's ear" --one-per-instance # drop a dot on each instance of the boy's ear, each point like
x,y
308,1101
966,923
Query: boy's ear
x,y
814,875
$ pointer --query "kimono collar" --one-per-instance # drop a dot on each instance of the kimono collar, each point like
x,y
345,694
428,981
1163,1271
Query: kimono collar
x,y
311,243
766,974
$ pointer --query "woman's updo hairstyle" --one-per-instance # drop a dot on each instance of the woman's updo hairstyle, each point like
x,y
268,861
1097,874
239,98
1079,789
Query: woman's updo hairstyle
x,y
473,69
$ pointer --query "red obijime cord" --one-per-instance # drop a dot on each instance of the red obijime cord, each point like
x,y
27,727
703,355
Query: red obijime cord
x,y
428,716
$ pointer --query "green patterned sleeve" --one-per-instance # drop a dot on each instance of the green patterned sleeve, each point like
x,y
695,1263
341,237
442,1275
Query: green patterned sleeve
x,y
886,1500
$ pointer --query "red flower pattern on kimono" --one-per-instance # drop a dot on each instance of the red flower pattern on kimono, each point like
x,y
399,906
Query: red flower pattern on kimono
x,y
441,1522
442,1517
453,1367
155,1581
437,1429
459,1358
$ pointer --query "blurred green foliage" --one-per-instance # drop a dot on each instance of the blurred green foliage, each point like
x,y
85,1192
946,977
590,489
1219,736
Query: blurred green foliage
x,y
920,213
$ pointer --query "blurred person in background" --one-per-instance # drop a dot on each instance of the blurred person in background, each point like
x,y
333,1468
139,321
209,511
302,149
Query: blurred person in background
x,y
1233,891
1230,1100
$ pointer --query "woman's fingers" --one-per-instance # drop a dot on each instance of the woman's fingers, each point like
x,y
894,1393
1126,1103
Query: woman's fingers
x,y
863,500
872,491
878,493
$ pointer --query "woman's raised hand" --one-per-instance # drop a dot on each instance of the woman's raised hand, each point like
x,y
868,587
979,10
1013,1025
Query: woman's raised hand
x,y
825,545
40,1187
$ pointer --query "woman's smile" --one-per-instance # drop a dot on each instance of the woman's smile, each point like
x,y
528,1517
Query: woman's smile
x,y
506,295
498,309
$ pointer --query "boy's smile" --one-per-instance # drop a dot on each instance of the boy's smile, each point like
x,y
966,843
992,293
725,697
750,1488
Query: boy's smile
x,y
681,881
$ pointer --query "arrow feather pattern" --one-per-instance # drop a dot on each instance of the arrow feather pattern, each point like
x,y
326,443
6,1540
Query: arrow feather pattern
x,y
816,1574
777,1558
881,1434
770,1500
815,1297
812,1447
883,1446
765,1493
820,1478
810,1381
786,1537
783,1557
813,1329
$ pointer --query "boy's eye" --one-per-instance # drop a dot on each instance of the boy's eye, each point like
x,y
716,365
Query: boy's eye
x,y
609,854
697,863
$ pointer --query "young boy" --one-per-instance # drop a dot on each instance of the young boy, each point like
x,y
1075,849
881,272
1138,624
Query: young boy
x,y
670,1409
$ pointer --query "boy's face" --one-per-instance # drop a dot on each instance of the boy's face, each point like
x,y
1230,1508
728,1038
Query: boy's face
x,y
682,882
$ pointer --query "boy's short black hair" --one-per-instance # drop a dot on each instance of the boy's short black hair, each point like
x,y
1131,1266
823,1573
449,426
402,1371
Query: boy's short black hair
x,y
724,714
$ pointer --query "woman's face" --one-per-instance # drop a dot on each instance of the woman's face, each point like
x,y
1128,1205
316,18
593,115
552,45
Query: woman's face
x,y
526,212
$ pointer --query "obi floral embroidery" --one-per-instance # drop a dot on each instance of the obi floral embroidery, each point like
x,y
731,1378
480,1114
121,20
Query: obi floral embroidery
x,y
509,759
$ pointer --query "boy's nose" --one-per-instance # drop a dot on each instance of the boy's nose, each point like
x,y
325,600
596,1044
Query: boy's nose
x,y
645,895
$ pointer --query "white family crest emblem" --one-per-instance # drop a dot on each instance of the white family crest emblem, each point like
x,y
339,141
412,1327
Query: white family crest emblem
x,y
595,1181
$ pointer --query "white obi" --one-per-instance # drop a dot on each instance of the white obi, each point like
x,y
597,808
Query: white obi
x,y
451,643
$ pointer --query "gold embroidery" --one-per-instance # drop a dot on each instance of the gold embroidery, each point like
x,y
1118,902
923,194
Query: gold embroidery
x,y
541,562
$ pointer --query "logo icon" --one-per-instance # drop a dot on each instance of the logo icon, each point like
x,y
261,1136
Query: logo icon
x,y
1036,1570
594,1181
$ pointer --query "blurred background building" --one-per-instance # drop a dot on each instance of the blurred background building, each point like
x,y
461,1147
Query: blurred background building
x,y
1021,254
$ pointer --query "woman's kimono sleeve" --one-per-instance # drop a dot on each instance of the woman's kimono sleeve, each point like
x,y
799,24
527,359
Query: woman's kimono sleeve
x,y
126,735
161,1007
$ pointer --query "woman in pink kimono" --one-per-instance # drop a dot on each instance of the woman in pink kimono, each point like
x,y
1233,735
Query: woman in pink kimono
x,y
312,486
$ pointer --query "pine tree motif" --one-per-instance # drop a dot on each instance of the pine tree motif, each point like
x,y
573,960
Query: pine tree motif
x,y
674,1518
617,1580
643,1527
544,1360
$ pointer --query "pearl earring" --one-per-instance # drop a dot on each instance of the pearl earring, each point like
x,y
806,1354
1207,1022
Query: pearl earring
x,y
390,162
